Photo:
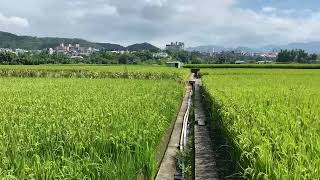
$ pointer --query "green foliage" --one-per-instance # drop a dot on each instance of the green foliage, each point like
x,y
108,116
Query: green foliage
x,y
296,55
190,57
9,58
103,57
271,118
228,57
139,57
182,56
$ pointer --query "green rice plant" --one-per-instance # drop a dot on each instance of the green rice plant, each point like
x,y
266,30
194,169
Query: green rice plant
x,y
76,128
257,66
272,118
86,71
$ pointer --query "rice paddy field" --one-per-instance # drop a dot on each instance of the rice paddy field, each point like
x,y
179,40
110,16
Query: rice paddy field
x,y
271,118
94,71
84,127
107,122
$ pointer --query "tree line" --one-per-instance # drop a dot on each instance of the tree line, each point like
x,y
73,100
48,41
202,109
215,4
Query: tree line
x,y
296,56
147,57
103,57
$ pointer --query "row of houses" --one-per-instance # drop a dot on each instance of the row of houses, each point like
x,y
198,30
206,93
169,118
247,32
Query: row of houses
x,y
19,51
175,46
270,55
258,62
73,50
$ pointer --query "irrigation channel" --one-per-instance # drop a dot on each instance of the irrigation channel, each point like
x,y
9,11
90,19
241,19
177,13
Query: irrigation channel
x,y
191,151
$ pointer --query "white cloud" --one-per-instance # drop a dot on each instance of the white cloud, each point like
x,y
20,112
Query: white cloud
x,y
289,11
221,22
198,22
156,2
13,21
109,10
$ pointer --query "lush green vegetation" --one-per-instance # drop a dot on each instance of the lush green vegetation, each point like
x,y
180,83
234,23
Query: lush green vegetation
x,y
265,66
271,118
53,128
297,56
103,57
94,71
144,54
9,58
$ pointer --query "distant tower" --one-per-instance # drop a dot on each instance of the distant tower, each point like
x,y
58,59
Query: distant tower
x,y
212,53
51,51
175,46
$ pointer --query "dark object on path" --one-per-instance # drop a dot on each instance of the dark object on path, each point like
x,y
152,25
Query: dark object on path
x,y
196,72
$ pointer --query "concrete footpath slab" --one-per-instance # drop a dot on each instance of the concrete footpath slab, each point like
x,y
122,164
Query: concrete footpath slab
x,y
205,163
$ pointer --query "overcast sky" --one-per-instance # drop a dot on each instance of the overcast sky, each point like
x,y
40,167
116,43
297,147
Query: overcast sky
x,y
196,22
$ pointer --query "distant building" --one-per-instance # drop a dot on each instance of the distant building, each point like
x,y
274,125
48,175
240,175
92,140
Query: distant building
x,y
21,51
212,52
76,57
176,64
60,48
74,50
269,55
160,55
175,46
51,51
6,50
264,62
240,62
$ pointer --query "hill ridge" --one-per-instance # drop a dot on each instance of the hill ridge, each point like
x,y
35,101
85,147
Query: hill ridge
x,y
13,41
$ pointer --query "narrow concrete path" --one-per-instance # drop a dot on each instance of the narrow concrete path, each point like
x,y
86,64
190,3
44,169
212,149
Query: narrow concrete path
x,y
205,163
169,162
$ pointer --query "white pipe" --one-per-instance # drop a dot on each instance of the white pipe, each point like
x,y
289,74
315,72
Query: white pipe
x,y
183,138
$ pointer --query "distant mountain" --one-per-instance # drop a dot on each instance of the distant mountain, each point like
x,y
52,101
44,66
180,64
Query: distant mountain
x,y
142,46
12,41
111,47
310,47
